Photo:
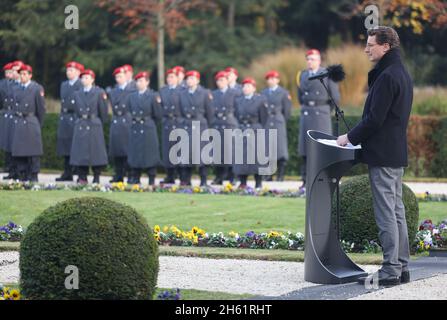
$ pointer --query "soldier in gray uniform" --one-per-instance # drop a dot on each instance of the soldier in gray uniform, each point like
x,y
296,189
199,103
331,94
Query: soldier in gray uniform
x,y
120,126
129,76
144,155
180,71
195,104
5,107
315,104
67,117
248,112
7,128
223,118
171,120
275,115
88,148
29,111
233,75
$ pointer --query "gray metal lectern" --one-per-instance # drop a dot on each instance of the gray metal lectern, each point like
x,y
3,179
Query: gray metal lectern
x,y
324,260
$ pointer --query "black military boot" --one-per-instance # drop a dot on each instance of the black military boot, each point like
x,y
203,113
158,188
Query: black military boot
x,y
119,171
136,176
258,181
96,174
220,174
170,179
281,170
152,179
33,177
67,175
230,175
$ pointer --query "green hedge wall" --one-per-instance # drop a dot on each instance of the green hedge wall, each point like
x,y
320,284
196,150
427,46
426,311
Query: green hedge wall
x,y
438,167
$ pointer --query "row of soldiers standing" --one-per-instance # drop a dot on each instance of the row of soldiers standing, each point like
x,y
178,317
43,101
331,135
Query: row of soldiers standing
x,y
183,102
134,144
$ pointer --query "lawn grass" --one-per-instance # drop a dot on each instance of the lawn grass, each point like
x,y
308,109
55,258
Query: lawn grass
x,y
214,213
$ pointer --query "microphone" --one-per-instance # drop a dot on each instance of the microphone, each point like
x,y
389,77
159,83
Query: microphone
x,y
333,72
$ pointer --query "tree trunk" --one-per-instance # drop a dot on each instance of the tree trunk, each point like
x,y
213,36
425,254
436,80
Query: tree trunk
x,y
161,45
231,14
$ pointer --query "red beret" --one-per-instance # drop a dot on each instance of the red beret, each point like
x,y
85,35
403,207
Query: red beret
x,y
143,74
171,71
233,70
179,69
193,73
272,74
249,80
88,72
26,67
127,67
221,74
76,65
312,51
17,63
119,70
7,66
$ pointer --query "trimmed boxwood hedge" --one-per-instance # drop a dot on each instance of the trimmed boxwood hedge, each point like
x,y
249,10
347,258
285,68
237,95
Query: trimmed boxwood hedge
x,y
110,244
357,222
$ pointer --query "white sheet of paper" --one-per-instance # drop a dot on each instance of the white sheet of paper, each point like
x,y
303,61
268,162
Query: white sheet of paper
x,y
333,143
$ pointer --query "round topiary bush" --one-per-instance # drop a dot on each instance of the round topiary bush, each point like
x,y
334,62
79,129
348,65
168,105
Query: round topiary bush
x,y
357,222
109,243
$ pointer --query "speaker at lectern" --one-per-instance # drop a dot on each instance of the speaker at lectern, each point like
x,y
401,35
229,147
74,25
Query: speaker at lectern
x,y
325,262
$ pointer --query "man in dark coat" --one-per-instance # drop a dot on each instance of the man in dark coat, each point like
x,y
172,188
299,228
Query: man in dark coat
x,y
88,148
29,110
223,118
275,116
196,110
171,120
121,122
144,149
67,117
382,132
315,105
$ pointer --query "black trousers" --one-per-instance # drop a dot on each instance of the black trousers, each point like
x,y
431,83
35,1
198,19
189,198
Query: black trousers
x,y
221,173
186,174
121,167
258,180
68,169
171,174
137,172
26,167
84,170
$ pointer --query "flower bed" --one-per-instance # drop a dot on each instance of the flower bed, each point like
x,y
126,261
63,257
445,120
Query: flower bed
x,y
173,236
431,236
227,189
9,294
428,197
11,232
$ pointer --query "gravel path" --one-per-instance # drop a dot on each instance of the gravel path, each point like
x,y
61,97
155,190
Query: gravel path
x,y
260,278
9,267
266,278
433,288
